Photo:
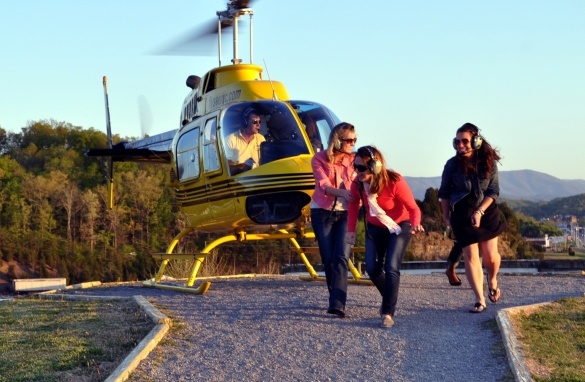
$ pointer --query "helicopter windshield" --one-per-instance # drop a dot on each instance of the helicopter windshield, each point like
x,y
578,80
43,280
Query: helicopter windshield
x,y
256,133
318,121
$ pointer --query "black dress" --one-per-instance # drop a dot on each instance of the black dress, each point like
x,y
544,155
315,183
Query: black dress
x,y
490,225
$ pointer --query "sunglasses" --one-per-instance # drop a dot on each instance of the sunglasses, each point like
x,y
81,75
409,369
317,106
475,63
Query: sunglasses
x,y
465,141
349,140
256,122
360,167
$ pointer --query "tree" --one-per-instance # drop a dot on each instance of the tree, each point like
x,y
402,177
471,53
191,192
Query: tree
x,y
432,218
90,214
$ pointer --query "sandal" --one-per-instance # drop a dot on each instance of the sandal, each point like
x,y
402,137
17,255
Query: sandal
x,y
478,308
494,294
452,276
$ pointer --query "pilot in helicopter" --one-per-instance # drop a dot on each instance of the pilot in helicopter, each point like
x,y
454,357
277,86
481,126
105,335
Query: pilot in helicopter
x,y
243,146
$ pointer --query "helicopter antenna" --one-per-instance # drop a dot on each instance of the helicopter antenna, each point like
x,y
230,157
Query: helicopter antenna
x,y
274,97
110,175
219,38
251,39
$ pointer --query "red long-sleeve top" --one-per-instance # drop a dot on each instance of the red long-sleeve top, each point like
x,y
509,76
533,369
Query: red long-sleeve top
x,y
395,199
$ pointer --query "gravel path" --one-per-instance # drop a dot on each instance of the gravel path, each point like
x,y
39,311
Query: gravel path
x,y
271,329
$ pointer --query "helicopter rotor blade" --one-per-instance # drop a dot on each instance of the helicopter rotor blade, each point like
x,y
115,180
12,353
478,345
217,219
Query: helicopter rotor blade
x,y
145,116
110,145
239,4
202,41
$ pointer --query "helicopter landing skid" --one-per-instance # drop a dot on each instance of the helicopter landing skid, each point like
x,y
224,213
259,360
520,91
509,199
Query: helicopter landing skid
x,y
200,290
200,257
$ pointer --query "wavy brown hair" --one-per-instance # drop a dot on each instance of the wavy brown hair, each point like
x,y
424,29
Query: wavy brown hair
x,y
485,157
385,177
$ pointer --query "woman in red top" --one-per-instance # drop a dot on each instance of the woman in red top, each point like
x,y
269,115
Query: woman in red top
x,y
392,216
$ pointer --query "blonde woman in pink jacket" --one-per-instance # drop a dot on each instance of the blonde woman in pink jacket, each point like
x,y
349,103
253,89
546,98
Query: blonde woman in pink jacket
x,y
333,171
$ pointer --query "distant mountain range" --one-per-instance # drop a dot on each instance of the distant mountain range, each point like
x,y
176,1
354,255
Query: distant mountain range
x,y
514,185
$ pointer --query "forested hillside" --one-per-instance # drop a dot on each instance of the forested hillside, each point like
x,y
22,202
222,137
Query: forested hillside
x,y
516,185
569,206
54,220
53,214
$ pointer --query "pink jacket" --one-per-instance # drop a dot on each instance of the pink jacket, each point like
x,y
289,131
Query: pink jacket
x,y
325,172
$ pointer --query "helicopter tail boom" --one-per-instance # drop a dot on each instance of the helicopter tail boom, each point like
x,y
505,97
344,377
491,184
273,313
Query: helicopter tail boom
x,y
155,149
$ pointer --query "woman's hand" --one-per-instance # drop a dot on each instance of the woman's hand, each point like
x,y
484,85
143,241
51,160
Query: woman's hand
x,y
350,238
346,194
339,193
476,219
417,229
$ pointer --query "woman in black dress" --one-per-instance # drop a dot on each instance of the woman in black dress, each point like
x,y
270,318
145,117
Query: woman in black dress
x,y
468,193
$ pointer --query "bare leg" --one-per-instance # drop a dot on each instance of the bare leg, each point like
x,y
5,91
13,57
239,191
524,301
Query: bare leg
x,y
491,261
474,271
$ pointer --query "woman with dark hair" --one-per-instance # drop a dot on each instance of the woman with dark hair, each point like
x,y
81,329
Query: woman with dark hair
x,y
334,174
392,216
468,192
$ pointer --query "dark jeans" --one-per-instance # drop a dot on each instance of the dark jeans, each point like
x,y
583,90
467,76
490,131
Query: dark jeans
x,y
330,228
384,254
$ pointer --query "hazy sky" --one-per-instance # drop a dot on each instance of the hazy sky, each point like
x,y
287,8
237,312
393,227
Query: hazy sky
x,y
406,73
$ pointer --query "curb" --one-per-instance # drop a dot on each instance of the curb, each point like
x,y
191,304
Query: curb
x,y
148,343
145,346
513,350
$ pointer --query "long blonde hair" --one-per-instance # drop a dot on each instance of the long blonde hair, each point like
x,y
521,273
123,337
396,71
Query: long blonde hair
x,y
334,142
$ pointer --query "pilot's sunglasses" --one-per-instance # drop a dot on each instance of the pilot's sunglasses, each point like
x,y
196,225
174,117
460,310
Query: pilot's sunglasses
x,y
256,122
465,141
349,140
360,167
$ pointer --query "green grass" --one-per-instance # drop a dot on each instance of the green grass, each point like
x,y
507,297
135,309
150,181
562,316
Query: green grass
x,y
563,256
553,340
47,340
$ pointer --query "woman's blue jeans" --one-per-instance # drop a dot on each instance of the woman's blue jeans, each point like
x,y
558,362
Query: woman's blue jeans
x,y
384,254
330,228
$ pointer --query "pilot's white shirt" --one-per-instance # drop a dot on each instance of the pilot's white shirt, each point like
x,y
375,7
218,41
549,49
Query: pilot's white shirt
x,y
239,151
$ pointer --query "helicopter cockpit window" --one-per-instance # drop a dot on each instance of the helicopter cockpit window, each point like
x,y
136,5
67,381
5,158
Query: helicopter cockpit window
x,y
257,133
210,151
313,132
188,155
318,121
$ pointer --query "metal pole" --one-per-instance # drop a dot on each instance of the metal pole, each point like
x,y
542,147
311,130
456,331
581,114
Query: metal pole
x,y
219,39
251,40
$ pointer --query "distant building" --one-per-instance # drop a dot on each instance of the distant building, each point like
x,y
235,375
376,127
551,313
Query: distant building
x,y
544,242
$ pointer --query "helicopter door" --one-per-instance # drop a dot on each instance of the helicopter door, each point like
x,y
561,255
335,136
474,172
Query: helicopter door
x,y
188,155
220,207
210,150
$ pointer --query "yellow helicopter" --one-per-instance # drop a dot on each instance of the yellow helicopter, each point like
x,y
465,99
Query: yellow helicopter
x,y
264,197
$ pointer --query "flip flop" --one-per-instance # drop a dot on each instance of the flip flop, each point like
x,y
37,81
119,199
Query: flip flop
x,y
478,308
494,294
